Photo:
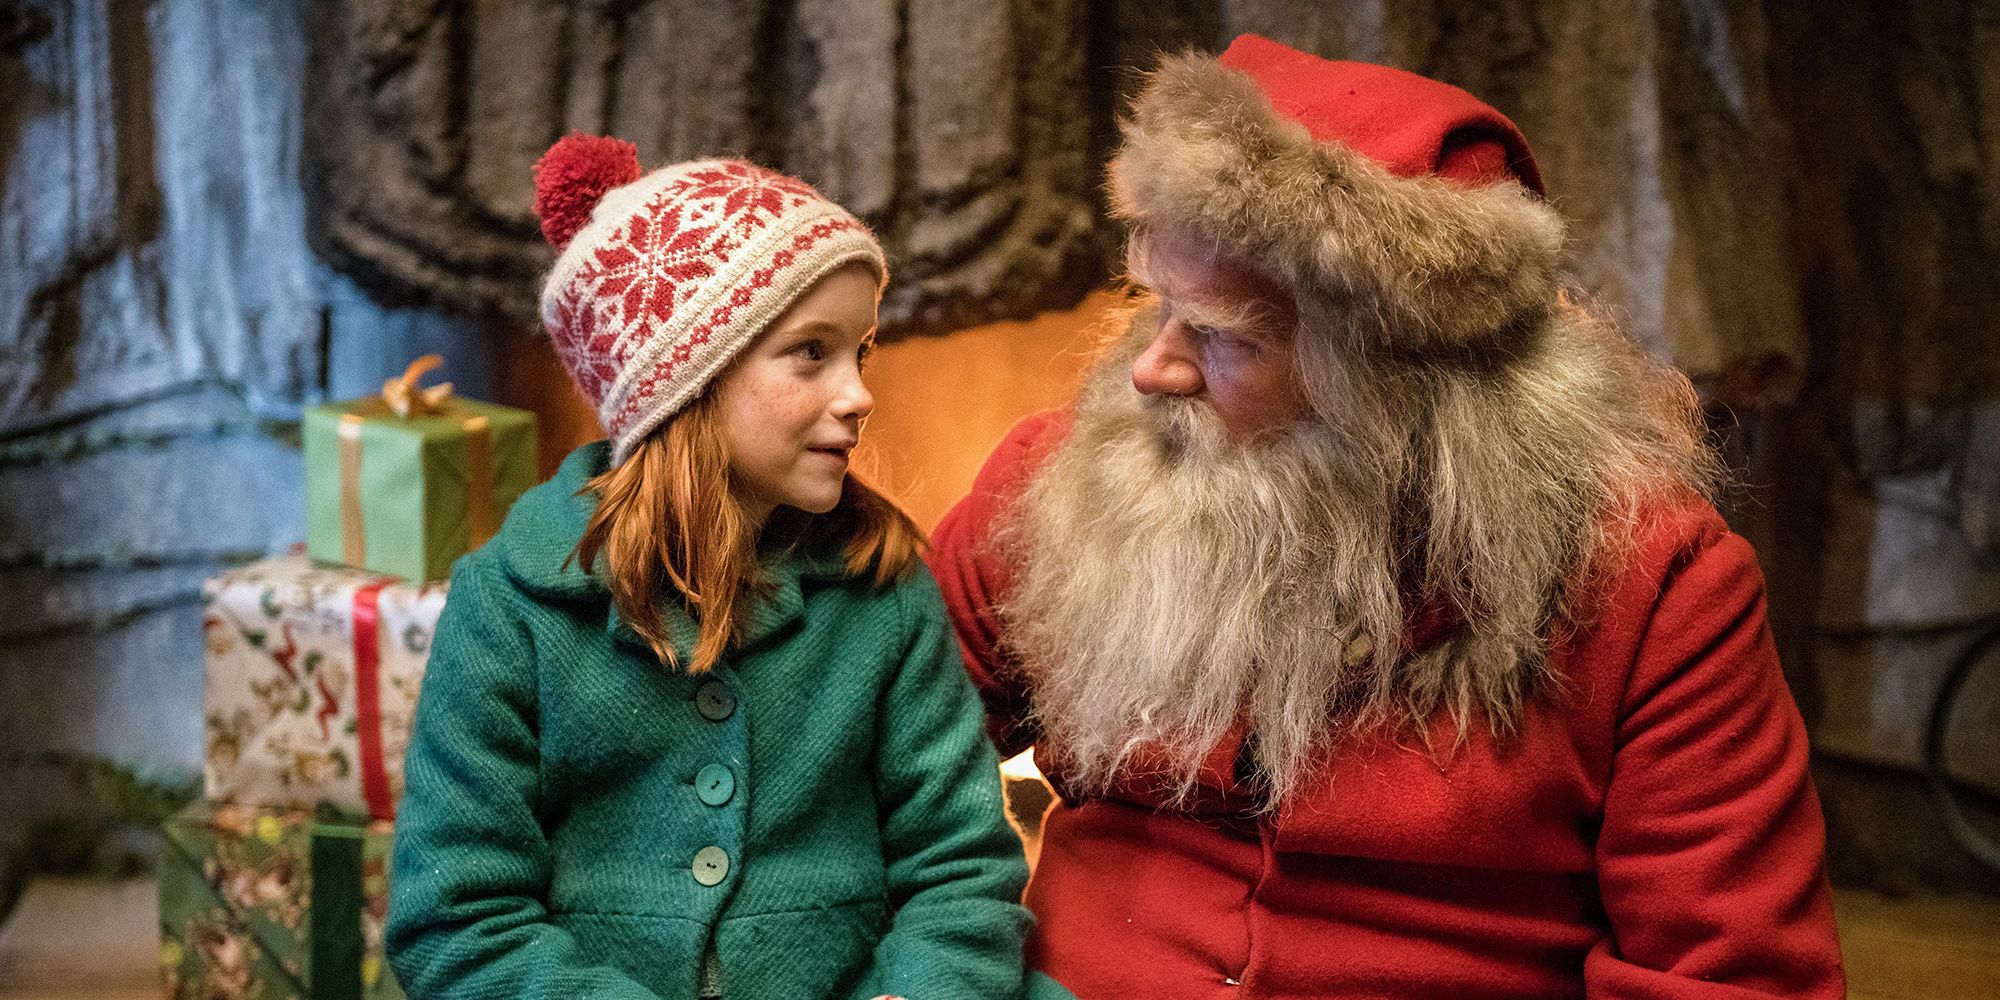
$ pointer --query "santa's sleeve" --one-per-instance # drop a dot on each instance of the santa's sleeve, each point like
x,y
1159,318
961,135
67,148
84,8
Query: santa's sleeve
x,y
973,575
1711,856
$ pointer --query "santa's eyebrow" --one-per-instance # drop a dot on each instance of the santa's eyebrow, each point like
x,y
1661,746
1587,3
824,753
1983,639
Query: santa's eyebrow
x,y
1248,317
1135,261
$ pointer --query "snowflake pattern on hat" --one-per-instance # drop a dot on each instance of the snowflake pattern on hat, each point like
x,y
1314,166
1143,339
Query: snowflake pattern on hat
x,y
678,271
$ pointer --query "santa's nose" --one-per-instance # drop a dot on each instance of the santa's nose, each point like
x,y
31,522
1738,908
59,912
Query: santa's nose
x,y
1167,367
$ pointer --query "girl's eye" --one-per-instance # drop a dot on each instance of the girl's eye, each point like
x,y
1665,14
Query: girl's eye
x,y
811,350
865,353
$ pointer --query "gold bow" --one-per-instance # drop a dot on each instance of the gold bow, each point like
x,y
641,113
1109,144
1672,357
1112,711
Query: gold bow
x,y
406,400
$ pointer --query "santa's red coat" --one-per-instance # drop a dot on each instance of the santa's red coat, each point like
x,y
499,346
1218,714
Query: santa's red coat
x,y
1652,833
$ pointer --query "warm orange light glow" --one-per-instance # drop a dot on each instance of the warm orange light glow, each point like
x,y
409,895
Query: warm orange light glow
x,y
942,403
1021,766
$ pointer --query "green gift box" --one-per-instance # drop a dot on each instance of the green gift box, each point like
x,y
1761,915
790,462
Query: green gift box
x,y
408,492
269,904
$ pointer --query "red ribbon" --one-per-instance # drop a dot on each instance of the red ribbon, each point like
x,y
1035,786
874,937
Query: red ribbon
x,y
368,697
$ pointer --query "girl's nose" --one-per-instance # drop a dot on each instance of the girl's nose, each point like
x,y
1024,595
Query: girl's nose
x,y
1167,366
854,400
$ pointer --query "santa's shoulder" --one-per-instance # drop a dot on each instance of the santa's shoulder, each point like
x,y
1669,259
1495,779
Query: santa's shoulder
x,y
1022,452
1680,542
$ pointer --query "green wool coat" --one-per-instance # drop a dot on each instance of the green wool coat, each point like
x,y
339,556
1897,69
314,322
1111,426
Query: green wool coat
x,y
818,817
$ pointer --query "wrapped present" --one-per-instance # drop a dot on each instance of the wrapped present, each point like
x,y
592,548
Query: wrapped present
x,y
408,481
313,672
261,904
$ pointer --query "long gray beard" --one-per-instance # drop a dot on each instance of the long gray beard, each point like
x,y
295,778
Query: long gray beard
x,y
1174,584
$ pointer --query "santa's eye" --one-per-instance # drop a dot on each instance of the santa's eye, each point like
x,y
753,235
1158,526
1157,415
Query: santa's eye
x,y
1225,340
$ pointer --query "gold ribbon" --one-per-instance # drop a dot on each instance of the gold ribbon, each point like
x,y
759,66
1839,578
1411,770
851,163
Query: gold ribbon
x,y
353,549
405,399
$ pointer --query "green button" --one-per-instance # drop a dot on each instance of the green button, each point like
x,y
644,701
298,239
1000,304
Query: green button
x,y
715,701
711,865
715,784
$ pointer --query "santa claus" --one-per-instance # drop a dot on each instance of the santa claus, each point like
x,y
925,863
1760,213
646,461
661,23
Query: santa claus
x,y
1367,610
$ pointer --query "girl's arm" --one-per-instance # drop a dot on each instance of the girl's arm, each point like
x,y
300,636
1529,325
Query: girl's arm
x,y
470,872
955,868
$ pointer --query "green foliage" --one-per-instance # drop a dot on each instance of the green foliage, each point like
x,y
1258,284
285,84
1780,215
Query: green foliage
x,y
108,832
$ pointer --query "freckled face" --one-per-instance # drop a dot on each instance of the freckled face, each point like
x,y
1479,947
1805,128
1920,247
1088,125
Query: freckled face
x,y
1225,336
791,406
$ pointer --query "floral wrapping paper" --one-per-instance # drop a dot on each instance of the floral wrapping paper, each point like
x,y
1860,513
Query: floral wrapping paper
x,y
261,904
312,679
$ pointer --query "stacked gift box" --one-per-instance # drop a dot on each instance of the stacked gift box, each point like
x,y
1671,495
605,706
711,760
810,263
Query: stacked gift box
x,y
276,884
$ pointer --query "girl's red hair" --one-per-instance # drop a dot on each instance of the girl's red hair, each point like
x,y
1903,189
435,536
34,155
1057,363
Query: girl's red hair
x,y
668,518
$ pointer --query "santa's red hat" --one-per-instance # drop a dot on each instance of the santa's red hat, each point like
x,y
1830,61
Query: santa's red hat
x,y
1405,213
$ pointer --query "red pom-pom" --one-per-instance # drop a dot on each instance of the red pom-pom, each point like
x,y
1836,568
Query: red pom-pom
x,y
573,175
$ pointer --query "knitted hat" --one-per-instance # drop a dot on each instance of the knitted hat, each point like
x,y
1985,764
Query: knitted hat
x,y
1405,213
661,280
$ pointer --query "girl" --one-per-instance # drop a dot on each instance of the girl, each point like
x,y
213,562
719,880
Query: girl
x,y
694,723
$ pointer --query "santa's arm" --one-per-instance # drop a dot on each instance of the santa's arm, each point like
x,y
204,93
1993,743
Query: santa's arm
x,y
973,575
1711,856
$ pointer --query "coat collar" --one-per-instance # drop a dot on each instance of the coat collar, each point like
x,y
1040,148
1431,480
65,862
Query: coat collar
x,y
543,528
772,614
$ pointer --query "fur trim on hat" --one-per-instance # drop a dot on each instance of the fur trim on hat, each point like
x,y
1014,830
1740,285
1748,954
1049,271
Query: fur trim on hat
x,y
1404,264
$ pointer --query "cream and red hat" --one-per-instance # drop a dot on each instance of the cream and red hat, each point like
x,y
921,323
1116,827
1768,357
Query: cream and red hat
x,y
661,280
1404,213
